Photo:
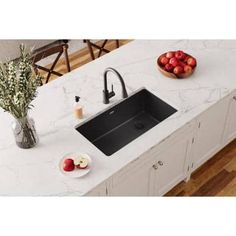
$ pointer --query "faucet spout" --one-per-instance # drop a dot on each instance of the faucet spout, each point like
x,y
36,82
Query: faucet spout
x,y
106,93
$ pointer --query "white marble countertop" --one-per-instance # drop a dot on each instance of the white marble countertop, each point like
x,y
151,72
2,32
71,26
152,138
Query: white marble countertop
x,y
35,172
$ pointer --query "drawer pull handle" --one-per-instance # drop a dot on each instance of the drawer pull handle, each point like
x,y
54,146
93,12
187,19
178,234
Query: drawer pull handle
x,y
160,163
155,166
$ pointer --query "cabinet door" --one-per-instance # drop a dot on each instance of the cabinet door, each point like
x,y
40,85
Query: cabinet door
x,y
230,130
135,182
209,135
172,165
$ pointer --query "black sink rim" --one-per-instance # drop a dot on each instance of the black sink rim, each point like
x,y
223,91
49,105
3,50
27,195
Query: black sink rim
x,y
116,103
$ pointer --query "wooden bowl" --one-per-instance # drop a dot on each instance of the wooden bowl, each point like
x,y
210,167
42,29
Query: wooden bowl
x,y
172,75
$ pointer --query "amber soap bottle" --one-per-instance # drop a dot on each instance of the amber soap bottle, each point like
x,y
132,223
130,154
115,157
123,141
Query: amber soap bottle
x,y
78,109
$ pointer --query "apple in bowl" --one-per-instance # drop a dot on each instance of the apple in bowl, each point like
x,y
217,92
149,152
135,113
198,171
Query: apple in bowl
x,y
164,60
176,64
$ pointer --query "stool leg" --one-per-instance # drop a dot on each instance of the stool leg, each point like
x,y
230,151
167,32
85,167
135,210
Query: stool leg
x,y
48,77
66,58
117,43
90,49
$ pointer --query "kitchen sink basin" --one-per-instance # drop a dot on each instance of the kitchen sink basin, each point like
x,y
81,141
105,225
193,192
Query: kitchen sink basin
x,y
125,121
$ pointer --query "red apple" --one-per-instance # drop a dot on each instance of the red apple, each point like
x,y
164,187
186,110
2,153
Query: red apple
x,y
192,62
180,55
174,61
182,64
169,67
164,60
188,69
178,70
68,165
186,58
170,54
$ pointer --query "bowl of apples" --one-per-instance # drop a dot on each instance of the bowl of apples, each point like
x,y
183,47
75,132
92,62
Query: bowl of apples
x,y
176,64
75,165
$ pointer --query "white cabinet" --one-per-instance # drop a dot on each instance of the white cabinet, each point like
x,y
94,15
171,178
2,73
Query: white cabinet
x,y
230,128
135,180
172,164
209,133
157,171
100,190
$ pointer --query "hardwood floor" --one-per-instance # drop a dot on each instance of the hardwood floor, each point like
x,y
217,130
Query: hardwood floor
x,y
217,177
81,57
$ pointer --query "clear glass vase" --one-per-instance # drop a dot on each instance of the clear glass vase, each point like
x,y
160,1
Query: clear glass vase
x,y
25,133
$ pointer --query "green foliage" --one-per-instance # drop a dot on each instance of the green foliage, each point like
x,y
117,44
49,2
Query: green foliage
x,y
18,84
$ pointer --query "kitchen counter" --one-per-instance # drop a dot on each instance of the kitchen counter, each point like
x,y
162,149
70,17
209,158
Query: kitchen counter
x,y
35,171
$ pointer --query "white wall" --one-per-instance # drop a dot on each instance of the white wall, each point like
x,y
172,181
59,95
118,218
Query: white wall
x,y
9,49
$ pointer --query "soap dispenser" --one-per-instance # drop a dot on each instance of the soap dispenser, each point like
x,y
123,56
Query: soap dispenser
x,y
78,108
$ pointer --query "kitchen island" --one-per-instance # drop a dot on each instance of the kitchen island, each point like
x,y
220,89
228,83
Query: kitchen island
x,y
204,103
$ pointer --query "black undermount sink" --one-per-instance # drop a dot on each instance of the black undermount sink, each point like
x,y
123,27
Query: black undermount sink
x,y
120,124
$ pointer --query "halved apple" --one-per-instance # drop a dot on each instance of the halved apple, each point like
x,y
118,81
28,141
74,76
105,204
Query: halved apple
x,y
81,162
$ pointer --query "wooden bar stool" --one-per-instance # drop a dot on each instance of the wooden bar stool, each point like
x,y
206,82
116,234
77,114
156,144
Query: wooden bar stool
x,y
59,47
101,48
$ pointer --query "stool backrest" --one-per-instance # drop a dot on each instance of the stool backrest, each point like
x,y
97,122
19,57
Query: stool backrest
x,y
44,52
101,48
